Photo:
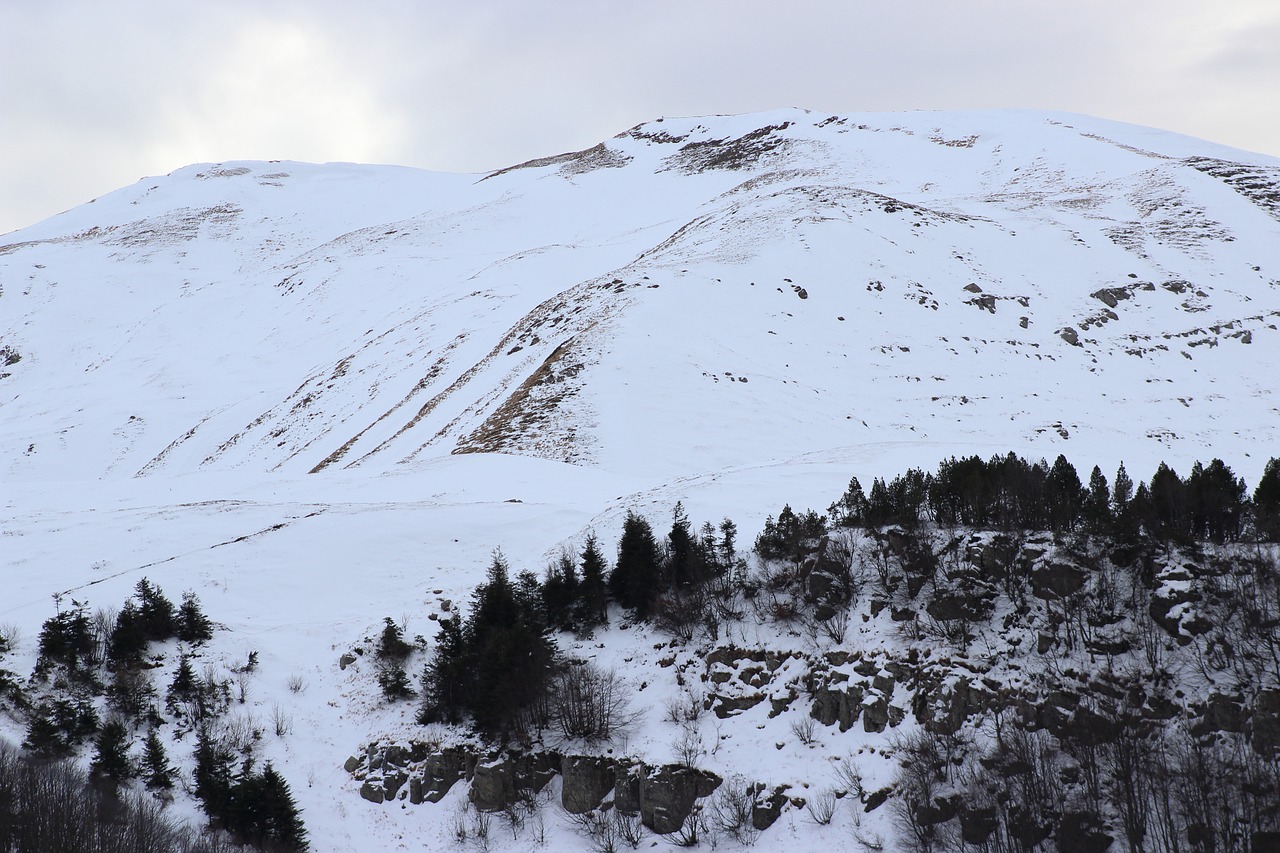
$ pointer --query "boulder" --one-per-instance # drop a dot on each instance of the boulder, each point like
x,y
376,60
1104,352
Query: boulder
x,y
626,787
978,822
586,781
767,808
1083,832
493,785
1266,723
440,771
373,791
667,795
1056,580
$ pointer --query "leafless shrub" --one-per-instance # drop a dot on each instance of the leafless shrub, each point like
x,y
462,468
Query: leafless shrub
x,y
822,807
10,635
691,831
630,830
281,722
849,778
590,703
731,809
837,627
803,728
688,706
297,684
599,829
688,748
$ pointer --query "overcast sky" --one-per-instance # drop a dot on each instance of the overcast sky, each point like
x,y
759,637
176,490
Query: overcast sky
x,y
95,95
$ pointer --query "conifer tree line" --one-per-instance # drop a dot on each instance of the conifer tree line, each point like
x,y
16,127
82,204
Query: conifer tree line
x,y
1011,493
91,665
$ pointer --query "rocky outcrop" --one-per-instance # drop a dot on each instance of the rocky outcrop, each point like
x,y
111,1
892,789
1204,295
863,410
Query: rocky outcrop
x,y
667,795
662,795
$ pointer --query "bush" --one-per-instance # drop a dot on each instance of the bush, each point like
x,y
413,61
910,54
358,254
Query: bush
x,y
589,703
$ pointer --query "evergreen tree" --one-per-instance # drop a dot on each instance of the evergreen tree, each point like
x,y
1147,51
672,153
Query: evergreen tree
x,y
634,581
511,650
391,643
1266,502
1216,502
131,694
1169,505
560,593
1121,491
1064,494
683,563
851,509
729,543
192,626
282,821
157,612
1098,503
185,687
212,775
67,639
391,653
447,676
156,770
111,759
128,641
593,595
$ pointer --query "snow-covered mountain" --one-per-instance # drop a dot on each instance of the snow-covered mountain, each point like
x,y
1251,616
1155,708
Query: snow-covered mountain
x,y
321,395
690,295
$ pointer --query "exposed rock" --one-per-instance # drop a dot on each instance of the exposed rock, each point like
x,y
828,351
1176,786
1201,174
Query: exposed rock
x,y
587,780
667,795
1056,580
766,809
1082,832
346,660
493,785
978,822
1266,723
1222,713
835,705
440,771
626,787
372,790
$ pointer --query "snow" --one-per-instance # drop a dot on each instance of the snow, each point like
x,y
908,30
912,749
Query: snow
x,y
192,346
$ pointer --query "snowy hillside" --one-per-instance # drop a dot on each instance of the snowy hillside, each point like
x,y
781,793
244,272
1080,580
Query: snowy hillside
x,y
321,395
790,283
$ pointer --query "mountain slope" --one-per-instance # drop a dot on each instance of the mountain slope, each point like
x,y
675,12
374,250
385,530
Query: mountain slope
x,y
978,280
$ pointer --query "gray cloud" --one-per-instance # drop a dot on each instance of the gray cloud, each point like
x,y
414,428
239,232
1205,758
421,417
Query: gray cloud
x,y
94,96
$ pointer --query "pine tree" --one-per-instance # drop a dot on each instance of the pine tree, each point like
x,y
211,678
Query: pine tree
x,y
192,626
185,687
682,563
1121,491
212,775
1266,502
446,677
111,759
128,641
391,643
1098,503
158,619
1064,493
593,594
560,592
634,580
156,770
282,821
